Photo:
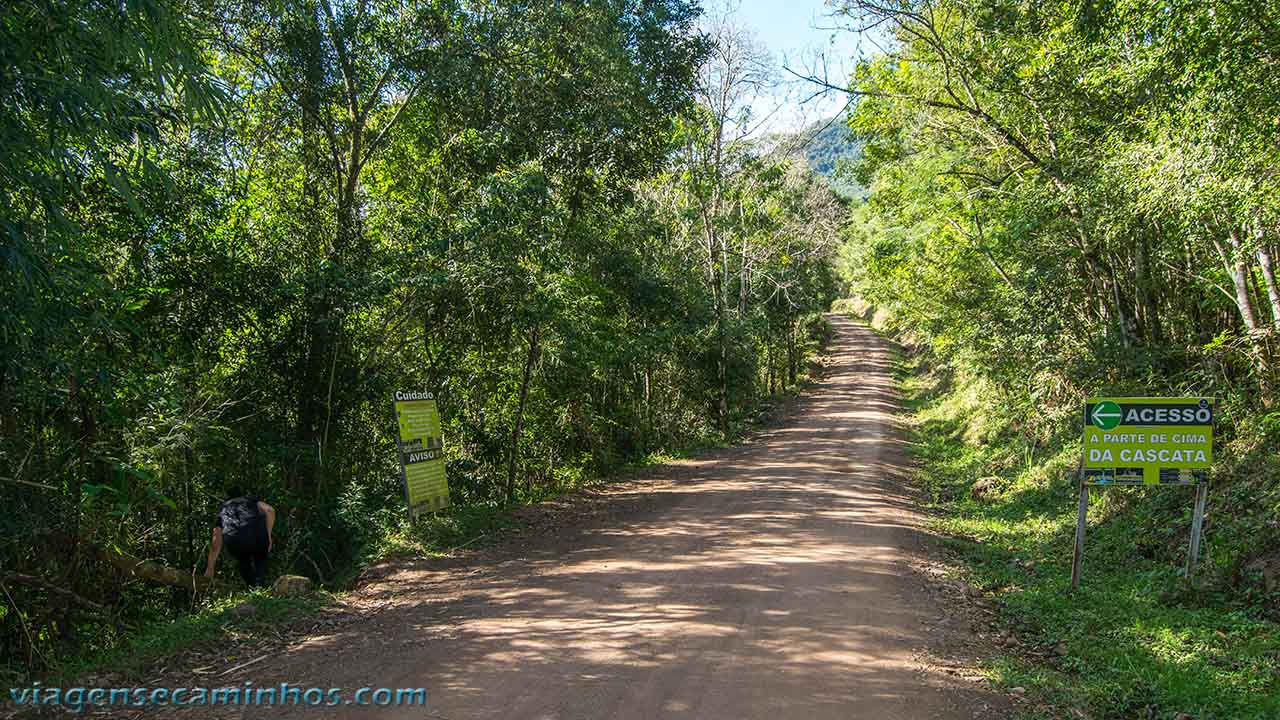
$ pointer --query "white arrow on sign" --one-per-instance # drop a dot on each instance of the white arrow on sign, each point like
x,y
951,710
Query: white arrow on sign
x,y
1098,413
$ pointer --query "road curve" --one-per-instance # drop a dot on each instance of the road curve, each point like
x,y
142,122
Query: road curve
x,y
771,580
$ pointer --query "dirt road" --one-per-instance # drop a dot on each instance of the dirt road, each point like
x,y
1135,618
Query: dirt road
x,y
771,580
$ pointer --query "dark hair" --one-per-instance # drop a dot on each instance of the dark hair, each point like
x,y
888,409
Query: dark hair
x,y
234,491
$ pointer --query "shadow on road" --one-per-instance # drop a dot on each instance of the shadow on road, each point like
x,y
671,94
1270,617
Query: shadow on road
x,y
770,580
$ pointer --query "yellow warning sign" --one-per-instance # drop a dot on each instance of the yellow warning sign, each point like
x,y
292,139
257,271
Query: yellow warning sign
x,y
420,443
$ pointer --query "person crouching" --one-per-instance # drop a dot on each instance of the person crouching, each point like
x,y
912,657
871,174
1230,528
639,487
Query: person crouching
x,y
244,525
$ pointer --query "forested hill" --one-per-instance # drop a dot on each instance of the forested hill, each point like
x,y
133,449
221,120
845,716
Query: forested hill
x,y
831,151
231,231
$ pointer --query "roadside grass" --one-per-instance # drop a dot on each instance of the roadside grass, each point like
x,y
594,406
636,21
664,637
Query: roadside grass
x,y
208,627
1136,641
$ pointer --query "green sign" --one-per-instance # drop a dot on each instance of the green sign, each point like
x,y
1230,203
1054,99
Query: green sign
x,y
1147,441
420,445
1106,415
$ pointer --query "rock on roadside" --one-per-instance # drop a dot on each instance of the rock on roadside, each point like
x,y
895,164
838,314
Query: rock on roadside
x,y
292,586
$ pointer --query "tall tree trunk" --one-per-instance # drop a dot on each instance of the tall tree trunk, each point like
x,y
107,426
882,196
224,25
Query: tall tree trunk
x,y
1193,308
724,336
744,272
530,358
791,350
723,405
648,406
305,44
1269,279
1122,318
1255,293
718,289
1146,298
78,430
1233,262
717,278
768,361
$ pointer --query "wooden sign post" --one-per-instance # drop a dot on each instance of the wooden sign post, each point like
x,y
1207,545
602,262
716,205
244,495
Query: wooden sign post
x,y
1197,526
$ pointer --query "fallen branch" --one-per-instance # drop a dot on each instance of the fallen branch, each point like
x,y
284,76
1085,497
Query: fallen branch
x,y
136,567
40,582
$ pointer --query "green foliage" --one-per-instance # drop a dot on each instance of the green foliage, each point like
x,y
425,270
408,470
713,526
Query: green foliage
x,y
1061,210
1070,200
1134,640
232,230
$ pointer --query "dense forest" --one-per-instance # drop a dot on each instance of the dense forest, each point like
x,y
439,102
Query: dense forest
x,y
1070,200
232,230
1067,202
1101,182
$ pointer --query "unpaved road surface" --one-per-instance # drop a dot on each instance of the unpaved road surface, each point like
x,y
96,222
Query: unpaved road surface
x,y
770,580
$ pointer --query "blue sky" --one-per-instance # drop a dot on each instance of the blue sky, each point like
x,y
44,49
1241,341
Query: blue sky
x,y
797,32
